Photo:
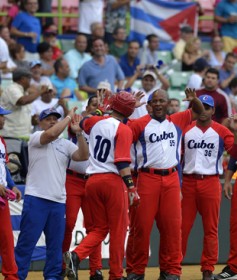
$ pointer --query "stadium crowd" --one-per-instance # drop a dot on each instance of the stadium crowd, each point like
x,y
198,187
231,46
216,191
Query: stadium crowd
x,y
127,97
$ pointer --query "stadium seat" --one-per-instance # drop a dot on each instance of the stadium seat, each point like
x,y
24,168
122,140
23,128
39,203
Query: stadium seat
x,y
180,95
165,56
178,80
66,44
79,104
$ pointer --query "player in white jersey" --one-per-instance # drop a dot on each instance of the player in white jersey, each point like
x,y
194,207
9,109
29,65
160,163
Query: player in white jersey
x,y
157,137
203,144
106,192
75,187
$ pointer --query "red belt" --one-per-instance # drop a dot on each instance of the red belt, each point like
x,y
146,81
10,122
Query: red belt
x,y
199,176
76,174
162,172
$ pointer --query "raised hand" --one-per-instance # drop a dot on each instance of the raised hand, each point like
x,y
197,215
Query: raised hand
x,y
75,124
190,94
138,96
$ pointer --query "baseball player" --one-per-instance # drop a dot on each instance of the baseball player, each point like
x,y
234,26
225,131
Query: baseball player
x,y
75,188
204,142
108,186
158,142
45,194
9,267
230,271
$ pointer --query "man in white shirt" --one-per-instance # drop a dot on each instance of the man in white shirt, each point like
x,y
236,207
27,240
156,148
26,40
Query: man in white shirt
x,y
45,194
199,67
76,57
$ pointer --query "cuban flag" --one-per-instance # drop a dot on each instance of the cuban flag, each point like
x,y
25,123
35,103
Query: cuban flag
x,y
162,18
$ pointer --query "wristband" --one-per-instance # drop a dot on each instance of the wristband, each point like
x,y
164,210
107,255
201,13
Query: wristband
x,y
69,117
78,134
128,181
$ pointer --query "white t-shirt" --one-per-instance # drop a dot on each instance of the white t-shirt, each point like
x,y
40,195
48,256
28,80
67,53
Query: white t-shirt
x,y
90,11
47,167
195,81
18,123
5,57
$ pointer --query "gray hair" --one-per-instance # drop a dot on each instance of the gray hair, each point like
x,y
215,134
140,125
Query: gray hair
x,y
19,73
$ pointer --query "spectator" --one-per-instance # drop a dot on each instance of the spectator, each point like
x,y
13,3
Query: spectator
x,y
192,52
38,80
174,106
233,94
76,57
226,15
64,85
26,28
100,68
90,12
16,98
149,85
8,65
46,56
5,35
227,72
130,61
17,52
115,15
45,194
119,46
149,54
186,33
50,36
9,267
47,101
12,12
97,32
216,53
199,67
222,102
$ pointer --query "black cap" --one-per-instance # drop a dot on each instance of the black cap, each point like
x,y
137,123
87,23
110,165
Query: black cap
x,y
200,64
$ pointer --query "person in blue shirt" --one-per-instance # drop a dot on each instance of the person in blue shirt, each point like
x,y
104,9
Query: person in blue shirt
x,y
64,85
226,15
26,28
130,60
100,68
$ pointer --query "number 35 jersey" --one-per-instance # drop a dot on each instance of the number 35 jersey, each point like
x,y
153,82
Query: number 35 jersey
x,y
203,148
110,142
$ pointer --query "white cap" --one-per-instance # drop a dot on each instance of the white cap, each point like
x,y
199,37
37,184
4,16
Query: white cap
x,y
104,85
149,73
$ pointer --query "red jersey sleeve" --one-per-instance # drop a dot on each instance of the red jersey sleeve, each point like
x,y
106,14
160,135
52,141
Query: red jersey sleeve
x,y
227,137
123,142
138,125
88,122
182,119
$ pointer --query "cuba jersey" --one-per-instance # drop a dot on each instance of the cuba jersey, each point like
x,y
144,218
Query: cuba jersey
x,y
110,142
158,144
3,161
204,147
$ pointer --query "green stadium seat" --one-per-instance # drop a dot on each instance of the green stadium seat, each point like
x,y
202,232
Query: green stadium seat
x,y
66,44
180,95
179,80
165,56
